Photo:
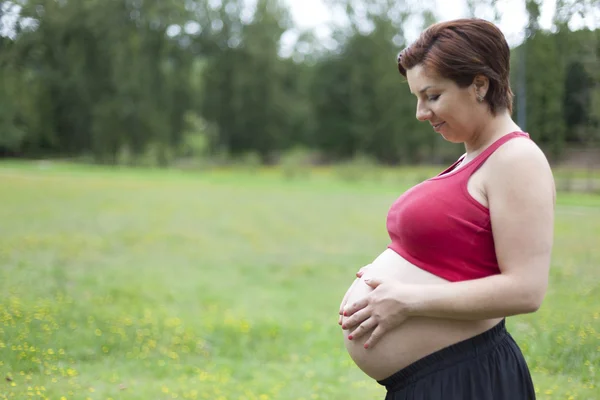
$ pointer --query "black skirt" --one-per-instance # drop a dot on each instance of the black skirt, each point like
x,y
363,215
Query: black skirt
x,y
489,366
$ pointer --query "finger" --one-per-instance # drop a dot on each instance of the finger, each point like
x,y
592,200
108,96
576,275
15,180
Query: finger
x,y
344,301
350,309
363,329
356,320
345,298
375,337
362,271
373,282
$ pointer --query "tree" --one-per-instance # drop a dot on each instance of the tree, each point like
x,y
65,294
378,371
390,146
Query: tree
x,y
97,75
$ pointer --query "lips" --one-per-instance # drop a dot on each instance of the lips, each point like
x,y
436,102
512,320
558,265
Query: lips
x,y
437,126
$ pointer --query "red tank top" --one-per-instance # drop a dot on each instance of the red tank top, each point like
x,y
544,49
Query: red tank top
x,y
439,227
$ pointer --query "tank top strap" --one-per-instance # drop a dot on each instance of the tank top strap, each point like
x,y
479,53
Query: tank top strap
x,y
474,165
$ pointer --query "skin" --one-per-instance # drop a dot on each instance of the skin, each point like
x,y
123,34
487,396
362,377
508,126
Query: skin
x,y
517,186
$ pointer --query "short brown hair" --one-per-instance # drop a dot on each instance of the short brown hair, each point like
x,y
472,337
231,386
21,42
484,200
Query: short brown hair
x,y
461,49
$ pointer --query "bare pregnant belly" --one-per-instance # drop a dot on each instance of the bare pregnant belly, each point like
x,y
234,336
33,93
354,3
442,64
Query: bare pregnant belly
x,y
416,337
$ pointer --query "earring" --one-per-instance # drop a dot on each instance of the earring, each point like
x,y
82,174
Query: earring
x,y
479,98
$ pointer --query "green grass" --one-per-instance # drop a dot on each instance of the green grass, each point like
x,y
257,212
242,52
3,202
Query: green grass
x,y
140,284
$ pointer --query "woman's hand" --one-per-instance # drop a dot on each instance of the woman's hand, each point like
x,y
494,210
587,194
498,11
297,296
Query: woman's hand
x,y
385,308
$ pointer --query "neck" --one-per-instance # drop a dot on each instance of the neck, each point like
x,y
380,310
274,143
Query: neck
x,y
491,130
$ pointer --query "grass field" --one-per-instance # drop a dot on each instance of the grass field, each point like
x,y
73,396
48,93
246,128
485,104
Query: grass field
x,y
132,284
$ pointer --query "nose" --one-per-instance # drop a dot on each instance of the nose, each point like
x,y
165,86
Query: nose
x,y
423,113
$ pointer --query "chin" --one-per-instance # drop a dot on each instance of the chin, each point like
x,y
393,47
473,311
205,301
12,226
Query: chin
x,y
451,139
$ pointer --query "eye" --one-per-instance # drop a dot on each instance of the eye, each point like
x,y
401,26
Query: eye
x,y
434,97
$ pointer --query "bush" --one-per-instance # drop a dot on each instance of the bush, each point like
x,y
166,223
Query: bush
x,y
250,161
295,163
125,156
360,168
199,137
156,155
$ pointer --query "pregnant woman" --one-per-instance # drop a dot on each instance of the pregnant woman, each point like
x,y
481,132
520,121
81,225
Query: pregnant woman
x,y
469,247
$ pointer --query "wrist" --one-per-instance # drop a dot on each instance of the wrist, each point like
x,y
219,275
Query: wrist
x,y
413,300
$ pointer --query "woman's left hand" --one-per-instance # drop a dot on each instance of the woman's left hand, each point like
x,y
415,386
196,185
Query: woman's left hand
x,y
383,309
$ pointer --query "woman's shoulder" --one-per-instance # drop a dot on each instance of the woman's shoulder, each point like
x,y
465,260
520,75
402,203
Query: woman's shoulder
x,y
521,164
519,153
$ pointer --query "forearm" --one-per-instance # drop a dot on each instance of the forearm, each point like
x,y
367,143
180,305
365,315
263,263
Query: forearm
x,y
491,297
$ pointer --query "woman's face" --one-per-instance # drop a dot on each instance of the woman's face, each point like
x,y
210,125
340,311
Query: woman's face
x,y
452,111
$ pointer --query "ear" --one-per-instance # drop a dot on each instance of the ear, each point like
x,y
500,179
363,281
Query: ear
x,y
481,84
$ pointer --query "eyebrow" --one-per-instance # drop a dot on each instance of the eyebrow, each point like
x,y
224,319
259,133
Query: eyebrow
x,y
425,89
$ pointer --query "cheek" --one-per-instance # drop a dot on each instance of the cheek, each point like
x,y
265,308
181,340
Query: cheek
x,y
456,113
443,110
464,115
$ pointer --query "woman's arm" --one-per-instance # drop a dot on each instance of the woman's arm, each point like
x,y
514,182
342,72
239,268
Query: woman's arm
x,y
521,197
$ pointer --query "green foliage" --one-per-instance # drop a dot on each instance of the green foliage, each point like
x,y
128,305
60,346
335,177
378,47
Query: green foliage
x,y
125,156
250,161
90,86
295,163
545,90
360,168
12,133
157,82
155,155
577,101
199,136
